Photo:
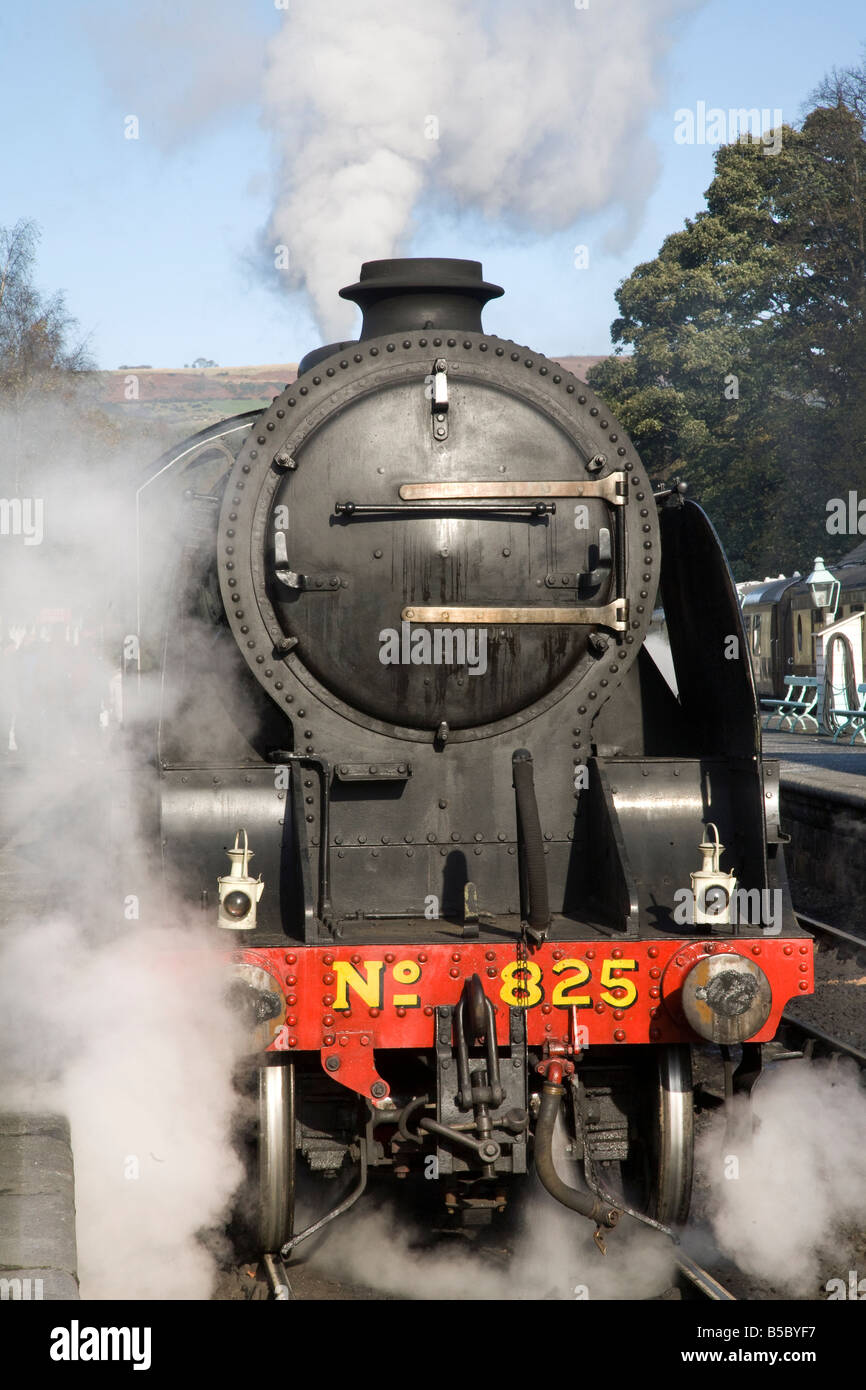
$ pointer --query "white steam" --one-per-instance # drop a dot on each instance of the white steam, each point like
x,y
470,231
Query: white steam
x,y
783,1200
129,1040
532,114
552,1258
111,1003
527,111
178,68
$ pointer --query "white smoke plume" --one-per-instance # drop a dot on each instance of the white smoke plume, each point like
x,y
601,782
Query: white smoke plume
x,y
180,69
783,1200
112,1008
553,1257
549,1252
529,111
132,1043
532,114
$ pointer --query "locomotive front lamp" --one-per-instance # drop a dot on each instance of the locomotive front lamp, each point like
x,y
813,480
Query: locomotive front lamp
x,y
239,893
823,587
712,890
236,904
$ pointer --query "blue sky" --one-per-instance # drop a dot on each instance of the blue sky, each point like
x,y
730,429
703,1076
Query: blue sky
x,y
156,248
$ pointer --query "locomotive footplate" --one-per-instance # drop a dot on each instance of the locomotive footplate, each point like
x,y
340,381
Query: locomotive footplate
x,y
347,1002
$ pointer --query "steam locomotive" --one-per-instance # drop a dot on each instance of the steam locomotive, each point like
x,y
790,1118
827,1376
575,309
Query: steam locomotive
x,y
504,877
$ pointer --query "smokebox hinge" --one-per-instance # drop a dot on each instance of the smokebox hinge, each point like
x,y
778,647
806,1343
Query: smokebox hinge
x,y
439,399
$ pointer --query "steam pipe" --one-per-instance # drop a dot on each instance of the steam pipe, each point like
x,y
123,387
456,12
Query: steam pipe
x,y
602,1213
347,1202
323,769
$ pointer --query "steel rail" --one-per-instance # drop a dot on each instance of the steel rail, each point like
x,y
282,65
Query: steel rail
x,y
832,933
278,1279
811,1030
827,935
700,1279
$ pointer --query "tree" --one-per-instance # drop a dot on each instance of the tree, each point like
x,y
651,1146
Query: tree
x,y
844,87
39,355
748,373
34,331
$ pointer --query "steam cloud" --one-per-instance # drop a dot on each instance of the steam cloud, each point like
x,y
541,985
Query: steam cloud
x,y
780,1210
111,1012
553,1258
523,110
550,1257
533,113
140,1057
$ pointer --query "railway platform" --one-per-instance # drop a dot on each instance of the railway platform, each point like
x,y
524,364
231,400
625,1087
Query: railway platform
x,y
816,760
823,805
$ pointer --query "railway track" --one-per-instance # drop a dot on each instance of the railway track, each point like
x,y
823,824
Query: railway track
x,y
279,1287
831,935
814,1039
693,1280
697,1282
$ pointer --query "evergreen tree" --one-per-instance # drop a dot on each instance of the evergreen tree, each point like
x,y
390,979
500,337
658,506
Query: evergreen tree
x,y
748,371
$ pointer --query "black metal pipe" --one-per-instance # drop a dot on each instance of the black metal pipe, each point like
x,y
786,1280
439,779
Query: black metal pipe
x,y
323,770
339,1210
602,1213
530,843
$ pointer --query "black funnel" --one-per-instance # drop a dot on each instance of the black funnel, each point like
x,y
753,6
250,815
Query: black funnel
x,y
402,296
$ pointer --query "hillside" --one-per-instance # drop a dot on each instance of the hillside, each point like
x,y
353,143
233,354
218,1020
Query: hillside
x,y
181,400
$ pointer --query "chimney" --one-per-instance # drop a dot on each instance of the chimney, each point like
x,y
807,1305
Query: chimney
x,y
404,296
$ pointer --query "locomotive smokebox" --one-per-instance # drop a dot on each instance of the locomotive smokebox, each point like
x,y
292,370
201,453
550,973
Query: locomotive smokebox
x,y
427,292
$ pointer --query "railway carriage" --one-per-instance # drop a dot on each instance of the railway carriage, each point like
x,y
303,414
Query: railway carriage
x,y
782,622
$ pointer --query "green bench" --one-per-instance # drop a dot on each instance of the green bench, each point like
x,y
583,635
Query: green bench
x,y
798,706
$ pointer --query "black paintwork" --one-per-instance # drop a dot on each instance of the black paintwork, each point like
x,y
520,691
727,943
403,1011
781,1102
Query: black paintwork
x,y
258,666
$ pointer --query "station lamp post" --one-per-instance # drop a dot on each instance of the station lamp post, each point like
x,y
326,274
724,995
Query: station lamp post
x,y
823,588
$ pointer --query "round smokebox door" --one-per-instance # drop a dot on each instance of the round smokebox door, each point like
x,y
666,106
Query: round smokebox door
x,y
344,583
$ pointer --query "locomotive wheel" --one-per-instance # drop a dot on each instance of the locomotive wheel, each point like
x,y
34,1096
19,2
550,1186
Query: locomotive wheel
x,y
275,1155
656,1178
671,1135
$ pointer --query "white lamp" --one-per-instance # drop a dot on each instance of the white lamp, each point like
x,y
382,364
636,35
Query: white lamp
x,y
824,588
239,891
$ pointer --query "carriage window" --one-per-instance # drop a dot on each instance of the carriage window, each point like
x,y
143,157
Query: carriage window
x,y
756,632
799,632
